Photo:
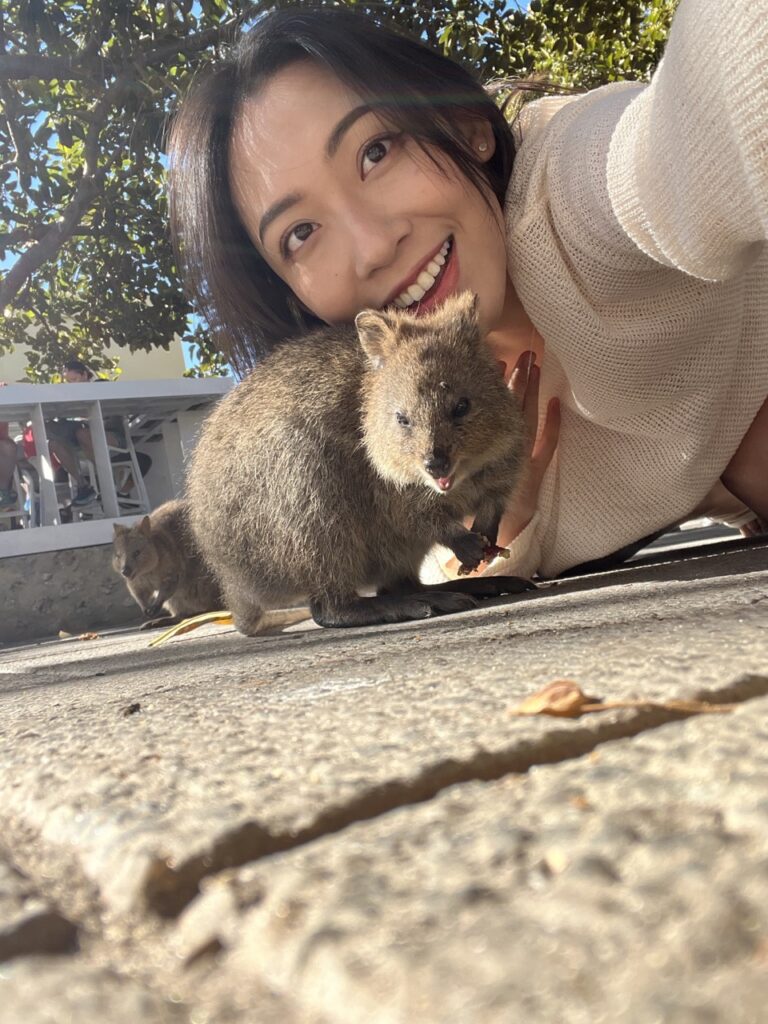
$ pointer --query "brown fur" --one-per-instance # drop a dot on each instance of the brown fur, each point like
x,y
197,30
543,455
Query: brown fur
x,y
162,566
304,485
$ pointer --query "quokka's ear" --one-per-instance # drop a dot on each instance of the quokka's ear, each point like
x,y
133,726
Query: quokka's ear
x,y
146,526
119,530
465,306
377,332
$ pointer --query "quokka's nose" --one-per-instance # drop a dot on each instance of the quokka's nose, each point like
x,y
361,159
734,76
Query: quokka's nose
x,y
125,571
437,464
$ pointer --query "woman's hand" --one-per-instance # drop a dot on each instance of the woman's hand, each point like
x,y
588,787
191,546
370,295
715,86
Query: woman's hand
x,y
540,447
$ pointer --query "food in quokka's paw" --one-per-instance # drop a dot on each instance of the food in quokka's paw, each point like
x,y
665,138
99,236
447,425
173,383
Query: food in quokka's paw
x,y
490,551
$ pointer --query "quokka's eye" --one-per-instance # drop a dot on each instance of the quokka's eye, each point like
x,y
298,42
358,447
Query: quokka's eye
x,y
402,419
461,408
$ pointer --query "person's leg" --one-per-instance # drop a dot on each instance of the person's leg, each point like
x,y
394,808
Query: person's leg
x,y
7,466
85,441
7,462
67,456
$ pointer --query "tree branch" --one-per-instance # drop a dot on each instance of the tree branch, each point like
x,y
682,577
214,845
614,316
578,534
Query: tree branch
x,y
88,188
193,44
52,240
19,134
91,181
16,66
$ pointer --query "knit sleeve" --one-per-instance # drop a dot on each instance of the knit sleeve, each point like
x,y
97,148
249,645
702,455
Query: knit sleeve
x,y
688,161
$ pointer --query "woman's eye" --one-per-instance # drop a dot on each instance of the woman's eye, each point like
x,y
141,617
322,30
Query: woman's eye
x,y
295,238
375,152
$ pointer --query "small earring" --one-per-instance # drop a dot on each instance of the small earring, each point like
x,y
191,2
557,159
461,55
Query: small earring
x,y
482,147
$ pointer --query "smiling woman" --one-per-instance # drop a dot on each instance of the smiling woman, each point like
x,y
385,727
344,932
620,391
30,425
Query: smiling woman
x,y
330,165
324,124
355,216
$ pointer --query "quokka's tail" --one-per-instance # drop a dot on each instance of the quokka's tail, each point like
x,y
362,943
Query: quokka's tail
x,y
268,623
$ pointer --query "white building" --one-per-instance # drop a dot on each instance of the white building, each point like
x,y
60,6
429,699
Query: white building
x,y
156,364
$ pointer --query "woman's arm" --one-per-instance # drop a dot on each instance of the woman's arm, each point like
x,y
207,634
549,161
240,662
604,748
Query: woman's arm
x,y
688,161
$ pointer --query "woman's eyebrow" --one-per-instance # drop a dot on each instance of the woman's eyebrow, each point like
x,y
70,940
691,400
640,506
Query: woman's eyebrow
x,y
275,210
331,146
338,133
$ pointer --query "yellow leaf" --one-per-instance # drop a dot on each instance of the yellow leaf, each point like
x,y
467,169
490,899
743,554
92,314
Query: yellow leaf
x,y
563,698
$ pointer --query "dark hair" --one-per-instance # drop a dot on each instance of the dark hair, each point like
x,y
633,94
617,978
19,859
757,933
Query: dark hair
x,y
426,95
78,366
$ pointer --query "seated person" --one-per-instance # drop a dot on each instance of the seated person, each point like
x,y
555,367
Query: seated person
x,y
69,439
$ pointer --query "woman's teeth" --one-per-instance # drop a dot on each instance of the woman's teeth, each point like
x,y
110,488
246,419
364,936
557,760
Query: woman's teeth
x,y
425,280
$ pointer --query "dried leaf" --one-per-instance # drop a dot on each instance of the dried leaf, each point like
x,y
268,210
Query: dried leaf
x,y
563,698
222,618
694,707
89,636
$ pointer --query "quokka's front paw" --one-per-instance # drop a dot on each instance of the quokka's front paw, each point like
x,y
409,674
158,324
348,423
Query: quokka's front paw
x,y
469,548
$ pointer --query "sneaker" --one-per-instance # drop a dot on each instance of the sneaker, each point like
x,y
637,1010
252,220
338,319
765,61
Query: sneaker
x,y
8,501
85,495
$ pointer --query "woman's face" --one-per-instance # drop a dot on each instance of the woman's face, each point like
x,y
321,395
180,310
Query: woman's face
x,y
352,215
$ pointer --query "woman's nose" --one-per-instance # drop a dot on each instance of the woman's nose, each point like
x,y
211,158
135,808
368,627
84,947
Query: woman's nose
x,y
375,236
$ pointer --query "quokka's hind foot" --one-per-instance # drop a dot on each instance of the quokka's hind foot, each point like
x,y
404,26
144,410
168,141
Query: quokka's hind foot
x,y
246,618
375,611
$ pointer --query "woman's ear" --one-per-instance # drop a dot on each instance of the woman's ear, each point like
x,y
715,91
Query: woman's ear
x,y
480,137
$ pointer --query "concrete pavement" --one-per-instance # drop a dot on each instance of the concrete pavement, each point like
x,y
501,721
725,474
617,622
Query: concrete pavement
x,y
349,826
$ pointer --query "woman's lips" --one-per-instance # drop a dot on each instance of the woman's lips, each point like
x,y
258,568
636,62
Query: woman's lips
x,y
445,285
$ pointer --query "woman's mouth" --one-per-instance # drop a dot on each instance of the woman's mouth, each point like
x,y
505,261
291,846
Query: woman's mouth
x,y
435,282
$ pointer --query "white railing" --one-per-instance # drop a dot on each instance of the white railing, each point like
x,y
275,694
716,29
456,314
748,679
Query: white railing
x,y
161,416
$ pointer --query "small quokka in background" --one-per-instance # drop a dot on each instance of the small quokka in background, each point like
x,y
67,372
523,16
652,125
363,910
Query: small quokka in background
x,y
163,567
345,455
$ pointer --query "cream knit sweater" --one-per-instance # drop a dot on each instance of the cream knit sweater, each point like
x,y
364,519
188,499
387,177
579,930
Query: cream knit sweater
x,y
637,220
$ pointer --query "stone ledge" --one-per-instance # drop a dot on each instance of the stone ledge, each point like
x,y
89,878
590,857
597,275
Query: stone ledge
x,y
73,590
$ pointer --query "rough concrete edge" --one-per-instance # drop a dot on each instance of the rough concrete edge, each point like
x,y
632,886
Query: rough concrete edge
x,y
168,887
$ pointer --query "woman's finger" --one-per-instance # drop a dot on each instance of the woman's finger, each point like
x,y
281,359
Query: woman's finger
x,y
518,381
546,443
524,384
531,405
